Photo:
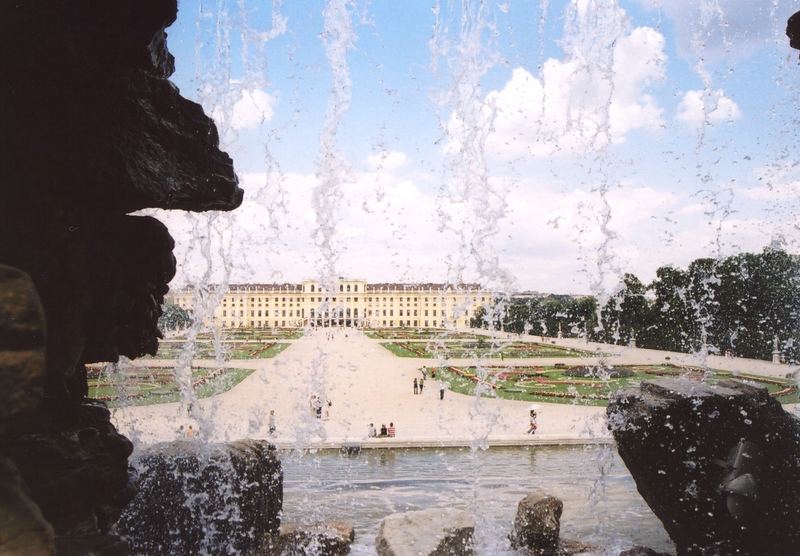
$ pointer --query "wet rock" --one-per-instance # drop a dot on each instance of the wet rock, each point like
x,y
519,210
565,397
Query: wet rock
x,y
22,362
537,525
75,466
23,529
198,498
571,547
91,130
718,464
330,538
438,531
642,551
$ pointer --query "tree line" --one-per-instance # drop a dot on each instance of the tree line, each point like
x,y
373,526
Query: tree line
x,y
736,305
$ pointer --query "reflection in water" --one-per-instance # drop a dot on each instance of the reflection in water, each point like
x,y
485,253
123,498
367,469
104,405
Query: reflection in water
x,y
367,487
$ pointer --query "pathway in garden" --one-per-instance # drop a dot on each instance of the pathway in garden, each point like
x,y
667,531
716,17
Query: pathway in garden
x,y
365,383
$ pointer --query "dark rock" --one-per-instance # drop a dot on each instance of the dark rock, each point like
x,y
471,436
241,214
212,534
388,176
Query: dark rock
x,y
537,525
22,363
97,73
793,30
198,498
21,315
331,538
91,545
91,130
642,551
75,466
24,529
434,532
718,464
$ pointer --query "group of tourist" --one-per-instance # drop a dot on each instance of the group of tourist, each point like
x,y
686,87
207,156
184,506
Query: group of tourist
x,y
419,384
316,405
385,432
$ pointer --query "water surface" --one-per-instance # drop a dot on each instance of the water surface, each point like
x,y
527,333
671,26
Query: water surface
x,y
601,504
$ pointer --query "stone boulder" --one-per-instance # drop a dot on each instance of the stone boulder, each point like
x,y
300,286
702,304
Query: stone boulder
x,y
22,344
204,498
330,538
719,464
23,529
76,469
434,532
537,525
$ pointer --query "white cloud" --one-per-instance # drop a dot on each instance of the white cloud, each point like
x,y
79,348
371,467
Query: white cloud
x,y
247,109
387,160
578,105
712,107
254,108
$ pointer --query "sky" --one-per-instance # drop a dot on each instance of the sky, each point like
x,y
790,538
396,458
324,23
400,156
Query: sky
x,y
528,145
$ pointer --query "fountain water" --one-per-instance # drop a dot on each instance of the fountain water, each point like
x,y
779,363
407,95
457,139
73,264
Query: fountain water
x,y
585,109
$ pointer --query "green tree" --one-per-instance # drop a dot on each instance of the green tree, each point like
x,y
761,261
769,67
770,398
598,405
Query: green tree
x,y
174,317
671,316
626,315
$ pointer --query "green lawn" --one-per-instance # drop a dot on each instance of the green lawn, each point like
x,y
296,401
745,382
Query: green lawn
x,y
230,350
255,334
483,349
155,385
551,384
419,334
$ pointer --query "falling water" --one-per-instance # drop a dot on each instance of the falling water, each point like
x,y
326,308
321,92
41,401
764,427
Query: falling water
x,y
472,203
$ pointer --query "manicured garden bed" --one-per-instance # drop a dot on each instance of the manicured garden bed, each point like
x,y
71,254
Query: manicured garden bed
x,y
482,348
171,349
254,334
155,385
556,385
419,334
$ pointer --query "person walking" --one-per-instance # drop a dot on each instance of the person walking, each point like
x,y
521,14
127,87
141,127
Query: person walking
x,y
421,384
271,424
416,386
391,430
441,390
532,424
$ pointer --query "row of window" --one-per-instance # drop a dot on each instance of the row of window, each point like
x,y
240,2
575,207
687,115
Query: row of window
x,y
282,323
319,299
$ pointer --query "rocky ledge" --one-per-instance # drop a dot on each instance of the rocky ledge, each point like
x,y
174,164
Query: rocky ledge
x,y
719,464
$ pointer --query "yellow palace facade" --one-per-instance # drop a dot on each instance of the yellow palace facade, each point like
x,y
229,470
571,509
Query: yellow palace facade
x,y
348,303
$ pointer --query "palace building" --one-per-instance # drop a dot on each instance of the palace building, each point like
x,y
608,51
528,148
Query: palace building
x,y
349,303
